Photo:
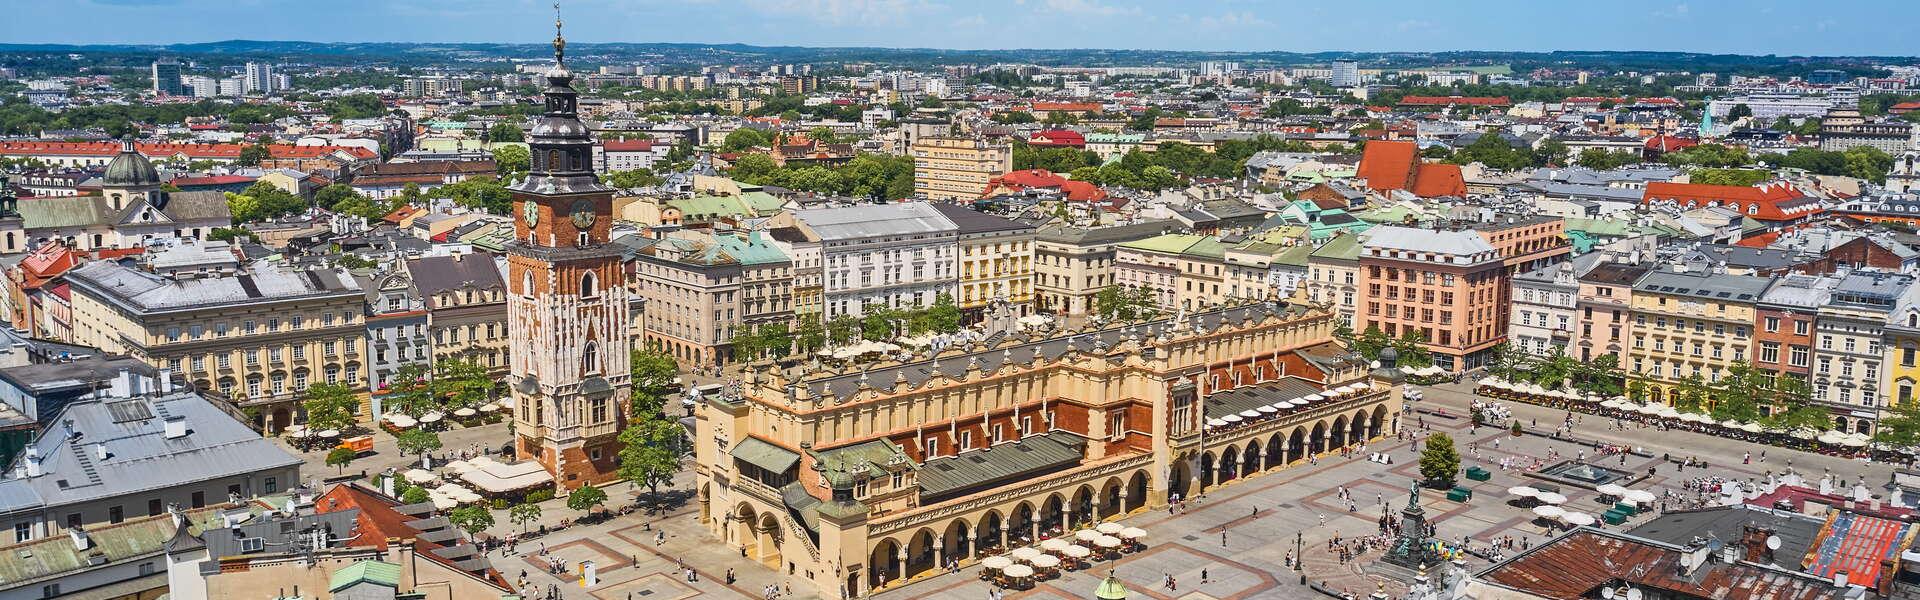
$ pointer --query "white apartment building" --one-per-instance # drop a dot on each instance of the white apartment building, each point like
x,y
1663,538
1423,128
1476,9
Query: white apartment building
x,y
899,255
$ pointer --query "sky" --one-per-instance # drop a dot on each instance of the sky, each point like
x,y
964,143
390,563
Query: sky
x,y
1828,27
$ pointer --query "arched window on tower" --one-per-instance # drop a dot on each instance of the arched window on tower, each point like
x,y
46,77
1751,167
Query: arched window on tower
x,y
590,359
553,160
526,283
589,287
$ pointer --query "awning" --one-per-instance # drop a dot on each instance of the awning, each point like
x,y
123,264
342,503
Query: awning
x,y
765,455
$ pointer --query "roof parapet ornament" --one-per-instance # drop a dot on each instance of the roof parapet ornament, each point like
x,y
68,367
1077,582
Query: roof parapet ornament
x,y
559,40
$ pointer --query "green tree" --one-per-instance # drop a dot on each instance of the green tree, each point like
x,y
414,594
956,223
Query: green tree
x,y
417,441
1371,342
775,338
1902,428
753,167
1739,111
1344,333
1412,350
1601,376
1551,153
253,155
1506,363
1116,303
1439,461
811,335
1740,177
523,514
356,106
1555,370
410,392
745,138
339,458
471,519
505,132
843,329
650,453
1595,158
877,324
587,497
413,495
511,160
1694,395
1740,394
329,406
745,344
650,374
822,134
462,383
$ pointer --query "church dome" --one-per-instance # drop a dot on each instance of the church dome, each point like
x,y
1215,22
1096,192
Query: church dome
x,y
130,168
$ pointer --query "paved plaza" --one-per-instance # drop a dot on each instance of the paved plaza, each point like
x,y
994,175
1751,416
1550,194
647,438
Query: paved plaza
x,y
1262,517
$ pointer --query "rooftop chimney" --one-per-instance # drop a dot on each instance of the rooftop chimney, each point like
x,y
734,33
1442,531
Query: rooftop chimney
x,y
82,542
176,427
99,451
33,462
1840,578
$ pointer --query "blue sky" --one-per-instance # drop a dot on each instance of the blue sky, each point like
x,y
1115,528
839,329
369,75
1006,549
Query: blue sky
x,y
1830,27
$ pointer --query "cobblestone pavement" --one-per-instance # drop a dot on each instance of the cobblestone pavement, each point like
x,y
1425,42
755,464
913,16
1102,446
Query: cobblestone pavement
x,y
1296,505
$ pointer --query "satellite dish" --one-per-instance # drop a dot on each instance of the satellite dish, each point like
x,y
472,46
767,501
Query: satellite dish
x,y
1686,560
1773,542
1633,593
1606,593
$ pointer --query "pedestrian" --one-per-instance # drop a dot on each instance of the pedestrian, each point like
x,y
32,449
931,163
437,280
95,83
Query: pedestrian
x,y
1203,575
1223,542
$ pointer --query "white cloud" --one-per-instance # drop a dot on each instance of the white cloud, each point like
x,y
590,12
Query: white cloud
x,y
1232,20
1087,8
846,12
1413,25
970,21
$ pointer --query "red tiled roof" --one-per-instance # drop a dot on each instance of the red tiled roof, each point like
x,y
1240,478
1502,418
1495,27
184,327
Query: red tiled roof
x,y
1765,202
1669,143
1388,165
1904,107
1572,566
1058,137
627,145
378,521
1014,182
1455,100
197,151
1434,180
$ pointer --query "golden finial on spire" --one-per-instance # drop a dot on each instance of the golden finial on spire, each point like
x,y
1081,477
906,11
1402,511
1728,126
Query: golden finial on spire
x,y
559,40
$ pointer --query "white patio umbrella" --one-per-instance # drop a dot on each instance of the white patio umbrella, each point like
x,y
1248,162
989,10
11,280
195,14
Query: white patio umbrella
x,y
431,417
1024,554
1249,414
1231,418
329,433
1018,571
1045,562
1076,552
1637,496
1730,423
401,421
1216,423
1750,427
1109,528
1268,410
489,407
1054,544
1548,511
1577,519
443,502
1086,535
1523,491
460,466
419,475
1312,398
505,402
465,412
1551,498
996,562
1492,381
1133,533
1649,409
1107,541
1611,489
1831,437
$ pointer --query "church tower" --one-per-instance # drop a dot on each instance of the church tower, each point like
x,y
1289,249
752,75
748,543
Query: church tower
x,y
567,311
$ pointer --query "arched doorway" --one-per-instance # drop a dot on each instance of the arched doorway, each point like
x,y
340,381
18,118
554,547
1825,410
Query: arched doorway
x,y
1053,513
1359,428
1136,491
1276,452
1110,493
1209,473
1081,510
1296,445
957,542
1250,462
884,564
1317,441
281,419
990,530
769,540
1177,483
1020,527
740,532
1377,426
1339,433
920,553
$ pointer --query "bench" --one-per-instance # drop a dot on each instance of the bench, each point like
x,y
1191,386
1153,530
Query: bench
x,y
1479,474
1459,494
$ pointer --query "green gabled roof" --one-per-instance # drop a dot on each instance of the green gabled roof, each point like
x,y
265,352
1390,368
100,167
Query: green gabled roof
x,y
1390,214
700,208
765,455
1599,227
870,458
1172,243
1341,247
1295,256
752,251
762,203
1207,247
369,571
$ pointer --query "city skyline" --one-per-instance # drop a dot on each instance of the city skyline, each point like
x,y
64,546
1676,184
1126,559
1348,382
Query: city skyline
x,y
1844,28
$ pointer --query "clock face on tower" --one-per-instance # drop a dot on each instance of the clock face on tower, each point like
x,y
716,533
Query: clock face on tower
x,y
583,214
530,210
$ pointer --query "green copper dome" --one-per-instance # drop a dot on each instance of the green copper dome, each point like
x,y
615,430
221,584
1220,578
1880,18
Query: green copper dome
x,y
130,168
1111,589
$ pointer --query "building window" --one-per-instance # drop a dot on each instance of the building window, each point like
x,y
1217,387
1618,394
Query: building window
x,y
22,532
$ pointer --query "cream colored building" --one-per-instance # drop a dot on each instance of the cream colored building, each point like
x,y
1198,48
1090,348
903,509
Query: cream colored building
x,y
1071,264
1333,275
1689,324
996,260
952,168
258,336
867,478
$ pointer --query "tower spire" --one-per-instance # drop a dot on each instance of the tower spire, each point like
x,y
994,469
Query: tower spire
x,y
559,40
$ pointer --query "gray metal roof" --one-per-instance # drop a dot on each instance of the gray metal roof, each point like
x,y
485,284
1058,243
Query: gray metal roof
x,y
1797,532
278,535
969,221
991,359
763,454
875,220
1030,455
139,455
1707,286
434,274
142,292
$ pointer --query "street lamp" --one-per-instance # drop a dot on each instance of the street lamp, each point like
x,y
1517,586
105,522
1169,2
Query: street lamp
x,y
1299,549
